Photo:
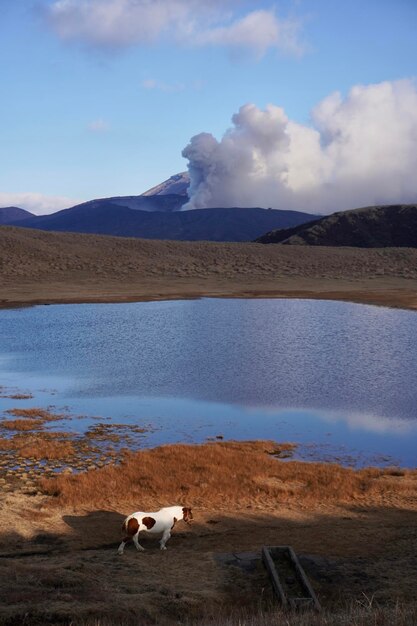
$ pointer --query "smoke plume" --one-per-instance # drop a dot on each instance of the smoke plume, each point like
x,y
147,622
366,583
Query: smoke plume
x,y
357,151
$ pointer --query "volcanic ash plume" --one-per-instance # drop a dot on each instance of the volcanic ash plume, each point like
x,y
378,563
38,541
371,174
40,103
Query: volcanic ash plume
x,y
358,151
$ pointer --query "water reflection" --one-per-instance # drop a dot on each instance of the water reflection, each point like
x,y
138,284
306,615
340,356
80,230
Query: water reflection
x,y
350,368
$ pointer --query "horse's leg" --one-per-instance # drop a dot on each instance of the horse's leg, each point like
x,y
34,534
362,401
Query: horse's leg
x,y
136,542
165,537
122,545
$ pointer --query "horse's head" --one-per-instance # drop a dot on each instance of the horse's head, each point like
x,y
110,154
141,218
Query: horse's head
x,y
187,515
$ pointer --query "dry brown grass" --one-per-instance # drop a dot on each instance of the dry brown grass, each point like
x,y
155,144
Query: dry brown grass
x,y
65,254
28,421
68,267
47,449
35,413
351,615
360,613
220,475
7,444
22,424
42,445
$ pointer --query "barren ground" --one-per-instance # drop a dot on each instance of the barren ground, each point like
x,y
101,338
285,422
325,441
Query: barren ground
x,y
39,267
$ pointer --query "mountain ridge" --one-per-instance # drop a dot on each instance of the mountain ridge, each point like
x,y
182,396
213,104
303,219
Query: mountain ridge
x,y
379,226
216,224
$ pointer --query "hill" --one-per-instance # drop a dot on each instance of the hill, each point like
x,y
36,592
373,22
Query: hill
x,y
369,227
43,267
105,218
13,214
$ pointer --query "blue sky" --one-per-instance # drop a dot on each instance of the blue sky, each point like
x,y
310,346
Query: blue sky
x,y
93,110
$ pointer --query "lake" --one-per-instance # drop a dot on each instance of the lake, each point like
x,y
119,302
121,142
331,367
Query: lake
x,y
338,378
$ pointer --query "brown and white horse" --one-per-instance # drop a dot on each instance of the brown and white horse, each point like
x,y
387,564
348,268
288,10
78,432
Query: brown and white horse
x,y
162,521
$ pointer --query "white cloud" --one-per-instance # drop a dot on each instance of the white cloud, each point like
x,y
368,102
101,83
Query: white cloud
x,y
98,126
36,202
258,32
121,23
359,150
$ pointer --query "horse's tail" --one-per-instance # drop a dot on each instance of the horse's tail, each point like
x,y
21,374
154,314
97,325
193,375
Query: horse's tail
x,y
130,526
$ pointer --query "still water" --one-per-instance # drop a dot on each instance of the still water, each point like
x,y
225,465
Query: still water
x,y
340,379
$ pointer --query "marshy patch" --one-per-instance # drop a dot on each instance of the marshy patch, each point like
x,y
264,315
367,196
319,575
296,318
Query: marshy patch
x,y
116,433
30,445
22,424
46,415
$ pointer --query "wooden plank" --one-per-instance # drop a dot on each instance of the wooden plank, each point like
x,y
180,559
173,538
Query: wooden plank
x,y
308,599
276,584
303,577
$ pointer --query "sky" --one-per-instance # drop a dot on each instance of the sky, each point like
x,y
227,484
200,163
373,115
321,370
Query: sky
x,y
308,104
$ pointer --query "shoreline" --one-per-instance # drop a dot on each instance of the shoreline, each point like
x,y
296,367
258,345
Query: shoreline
x,y
404,299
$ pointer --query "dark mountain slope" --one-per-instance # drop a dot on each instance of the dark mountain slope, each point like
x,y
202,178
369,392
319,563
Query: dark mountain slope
x,y
231,224
369,227
9,214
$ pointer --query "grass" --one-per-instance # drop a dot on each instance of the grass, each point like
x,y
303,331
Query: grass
x,y
22,425
40,445
47,449
7,444
29,441
35,413
359,613
221,475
